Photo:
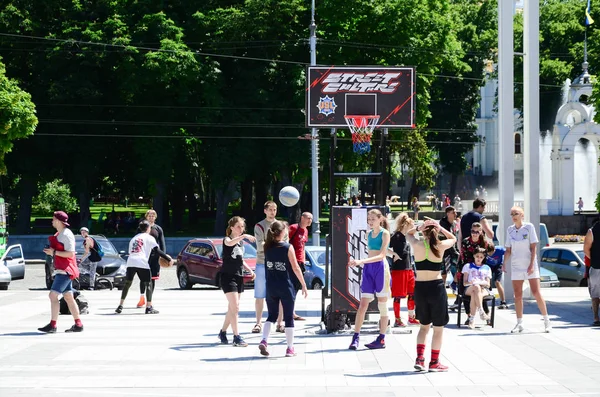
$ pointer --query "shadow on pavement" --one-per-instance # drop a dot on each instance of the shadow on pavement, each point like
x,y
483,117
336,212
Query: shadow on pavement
x,y
220,360
386,374
195,346
39,289
28,333
252,314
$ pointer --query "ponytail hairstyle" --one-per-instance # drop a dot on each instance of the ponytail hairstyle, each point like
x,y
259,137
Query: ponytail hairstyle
x,y
382,219
277,230
232,222
401,221
430,233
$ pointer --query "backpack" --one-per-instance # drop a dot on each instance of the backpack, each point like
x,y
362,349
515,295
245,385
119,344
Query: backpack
x,y
81,301
96,252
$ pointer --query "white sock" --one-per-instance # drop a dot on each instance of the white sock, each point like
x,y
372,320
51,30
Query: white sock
x,y
266,330
289,336
519,321
546,318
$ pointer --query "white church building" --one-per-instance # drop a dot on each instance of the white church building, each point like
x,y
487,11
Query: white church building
x,y
568,153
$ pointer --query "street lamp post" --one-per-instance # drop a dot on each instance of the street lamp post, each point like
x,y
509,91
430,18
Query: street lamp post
x,y
314,143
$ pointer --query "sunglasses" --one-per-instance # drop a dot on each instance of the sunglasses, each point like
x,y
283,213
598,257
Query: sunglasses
x,y
475,231
515,213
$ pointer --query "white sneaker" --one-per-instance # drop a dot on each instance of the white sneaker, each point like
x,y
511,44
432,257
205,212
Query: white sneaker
x,y
517,329
471,323
547,326
483,316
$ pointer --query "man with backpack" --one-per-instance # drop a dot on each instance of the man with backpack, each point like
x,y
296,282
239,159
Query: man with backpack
x,y
93,254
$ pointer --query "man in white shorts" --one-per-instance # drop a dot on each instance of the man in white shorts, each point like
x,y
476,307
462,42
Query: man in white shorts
x,y
591,249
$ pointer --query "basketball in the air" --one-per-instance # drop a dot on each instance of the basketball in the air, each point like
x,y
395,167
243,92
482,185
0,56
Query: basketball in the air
x,y
289,196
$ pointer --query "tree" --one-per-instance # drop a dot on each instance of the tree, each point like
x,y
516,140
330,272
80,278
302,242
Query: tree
x,y
17,115
55,196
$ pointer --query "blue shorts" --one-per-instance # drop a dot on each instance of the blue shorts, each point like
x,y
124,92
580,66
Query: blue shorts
x,y
260,282
375,280
62,284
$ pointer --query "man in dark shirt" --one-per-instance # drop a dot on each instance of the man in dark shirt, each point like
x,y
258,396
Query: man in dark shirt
x,y
451,254
475,215
591,248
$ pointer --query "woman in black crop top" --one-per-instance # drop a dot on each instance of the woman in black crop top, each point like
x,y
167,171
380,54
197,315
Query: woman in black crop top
x,y
403,277
231,276
430,295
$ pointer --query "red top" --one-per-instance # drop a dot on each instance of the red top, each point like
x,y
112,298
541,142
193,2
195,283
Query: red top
x,y
587,261
298,239
69,265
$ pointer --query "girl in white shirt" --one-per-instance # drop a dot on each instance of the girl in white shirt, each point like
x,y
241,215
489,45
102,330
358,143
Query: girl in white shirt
x,y
521,249
476,278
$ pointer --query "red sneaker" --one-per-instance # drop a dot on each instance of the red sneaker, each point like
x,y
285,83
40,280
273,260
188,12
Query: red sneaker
x,y
437,367
413,321
399,323
420,364
142,302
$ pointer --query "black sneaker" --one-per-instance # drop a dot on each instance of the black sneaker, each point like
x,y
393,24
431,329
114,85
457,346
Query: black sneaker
x,y
151,310
75,328
49,329
503,306
239,341
119,309
223,337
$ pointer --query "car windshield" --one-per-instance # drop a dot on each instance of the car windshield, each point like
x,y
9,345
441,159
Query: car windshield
x,y
318,254
107,246
581,255
249,250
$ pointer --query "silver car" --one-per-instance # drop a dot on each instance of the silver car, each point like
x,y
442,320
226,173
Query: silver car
x,y
566,260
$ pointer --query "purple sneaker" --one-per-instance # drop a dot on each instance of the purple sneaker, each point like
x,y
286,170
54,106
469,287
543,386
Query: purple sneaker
x,y
354,344
262,346
290,352
378,343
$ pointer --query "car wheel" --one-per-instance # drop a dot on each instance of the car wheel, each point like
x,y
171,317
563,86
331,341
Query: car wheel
x,y
184,279
49,278
317,284
3,287
583,283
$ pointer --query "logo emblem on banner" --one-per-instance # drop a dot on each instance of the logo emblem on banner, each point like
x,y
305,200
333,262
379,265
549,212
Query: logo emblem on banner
x,y
326,105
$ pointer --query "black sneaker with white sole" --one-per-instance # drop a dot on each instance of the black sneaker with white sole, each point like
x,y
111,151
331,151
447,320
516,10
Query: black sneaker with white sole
x,y
151,310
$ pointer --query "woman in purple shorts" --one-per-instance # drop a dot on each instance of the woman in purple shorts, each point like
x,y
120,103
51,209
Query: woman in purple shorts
x,y
375,279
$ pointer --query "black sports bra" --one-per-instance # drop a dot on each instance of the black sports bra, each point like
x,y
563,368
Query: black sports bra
x,y
427,264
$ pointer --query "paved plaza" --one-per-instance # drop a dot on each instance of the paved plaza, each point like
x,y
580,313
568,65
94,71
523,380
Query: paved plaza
x,y
175,352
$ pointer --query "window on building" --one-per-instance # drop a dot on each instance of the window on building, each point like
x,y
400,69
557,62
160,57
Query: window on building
x,y
518,143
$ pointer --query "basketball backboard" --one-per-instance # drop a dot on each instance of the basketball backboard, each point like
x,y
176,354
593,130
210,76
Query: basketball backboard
x,y
338,91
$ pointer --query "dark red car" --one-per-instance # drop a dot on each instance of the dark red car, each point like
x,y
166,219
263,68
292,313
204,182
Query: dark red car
x,y
200,261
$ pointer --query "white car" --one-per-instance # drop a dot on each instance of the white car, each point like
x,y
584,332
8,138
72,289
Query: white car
x,y
12,266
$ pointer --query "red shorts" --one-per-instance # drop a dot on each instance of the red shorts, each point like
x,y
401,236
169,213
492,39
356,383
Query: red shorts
x,y
403,283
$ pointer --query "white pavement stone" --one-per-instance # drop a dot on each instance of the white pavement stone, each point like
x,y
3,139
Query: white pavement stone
x,y
175,353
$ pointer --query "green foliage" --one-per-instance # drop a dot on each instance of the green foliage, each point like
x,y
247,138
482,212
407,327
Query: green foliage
x,y
597,202
17,115
54,196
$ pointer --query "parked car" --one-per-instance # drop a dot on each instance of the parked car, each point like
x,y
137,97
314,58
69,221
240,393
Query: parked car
x,y
200,261
566,260
4,277
548,278
543,237
14,262
112,266
314,275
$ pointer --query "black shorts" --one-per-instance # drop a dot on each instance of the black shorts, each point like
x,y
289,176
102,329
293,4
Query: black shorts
x,y
496,275
431,303
232,283
143,274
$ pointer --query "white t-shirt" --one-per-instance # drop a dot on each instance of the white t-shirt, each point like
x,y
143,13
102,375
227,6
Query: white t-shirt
x,y
67,238
519,241
477,274
140,248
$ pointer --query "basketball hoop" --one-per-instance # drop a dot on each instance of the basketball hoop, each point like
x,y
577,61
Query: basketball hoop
x,y
362,128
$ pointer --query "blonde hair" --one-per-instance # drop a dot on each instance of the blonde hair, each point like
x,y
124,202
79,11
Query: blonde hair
x,y
518,209
150,212
402,220
382,219
232,222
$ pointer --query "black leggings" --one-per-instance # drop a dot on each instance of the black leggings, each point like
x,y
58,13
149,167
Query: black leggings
x,y
143,286
287,302
145,281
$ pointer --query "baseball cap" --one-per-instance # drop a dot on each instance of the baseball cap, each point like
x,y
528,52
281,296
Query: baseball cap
x,y
84,229
62,216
